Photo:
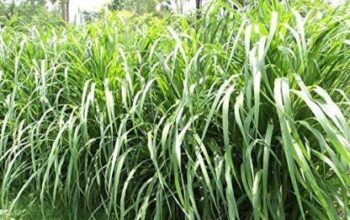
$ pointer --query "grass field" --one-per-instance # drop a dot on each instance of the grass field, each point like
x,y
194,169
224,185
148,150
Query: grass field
x,y
238,116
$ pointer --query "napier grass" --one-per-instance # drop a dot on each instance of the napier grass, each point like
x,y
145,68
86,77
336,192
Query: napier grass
x,y
236,116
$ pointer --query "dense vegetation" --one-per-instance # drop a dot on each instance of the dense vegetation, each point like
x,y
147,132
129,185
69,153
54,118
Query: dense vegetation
x,y
243,115
27,12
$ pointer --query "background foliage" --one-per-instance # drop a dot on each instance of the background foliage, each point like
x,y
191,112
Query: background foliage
x,y
139,6
25,13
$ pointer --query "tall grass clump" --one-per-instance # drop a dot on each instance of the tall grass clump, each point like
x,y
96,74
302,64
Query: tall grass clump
x,y
242,115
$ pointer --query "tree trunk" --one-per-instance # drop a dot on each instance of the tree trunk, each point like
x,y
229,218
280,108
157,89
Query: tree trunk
x,y
198,7
198,4
65,9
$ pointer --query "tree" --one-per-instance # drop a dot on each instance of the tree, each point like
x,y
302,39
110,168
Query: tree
x,y
138,6
198,4
65,9
198,7
115,4
14,12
